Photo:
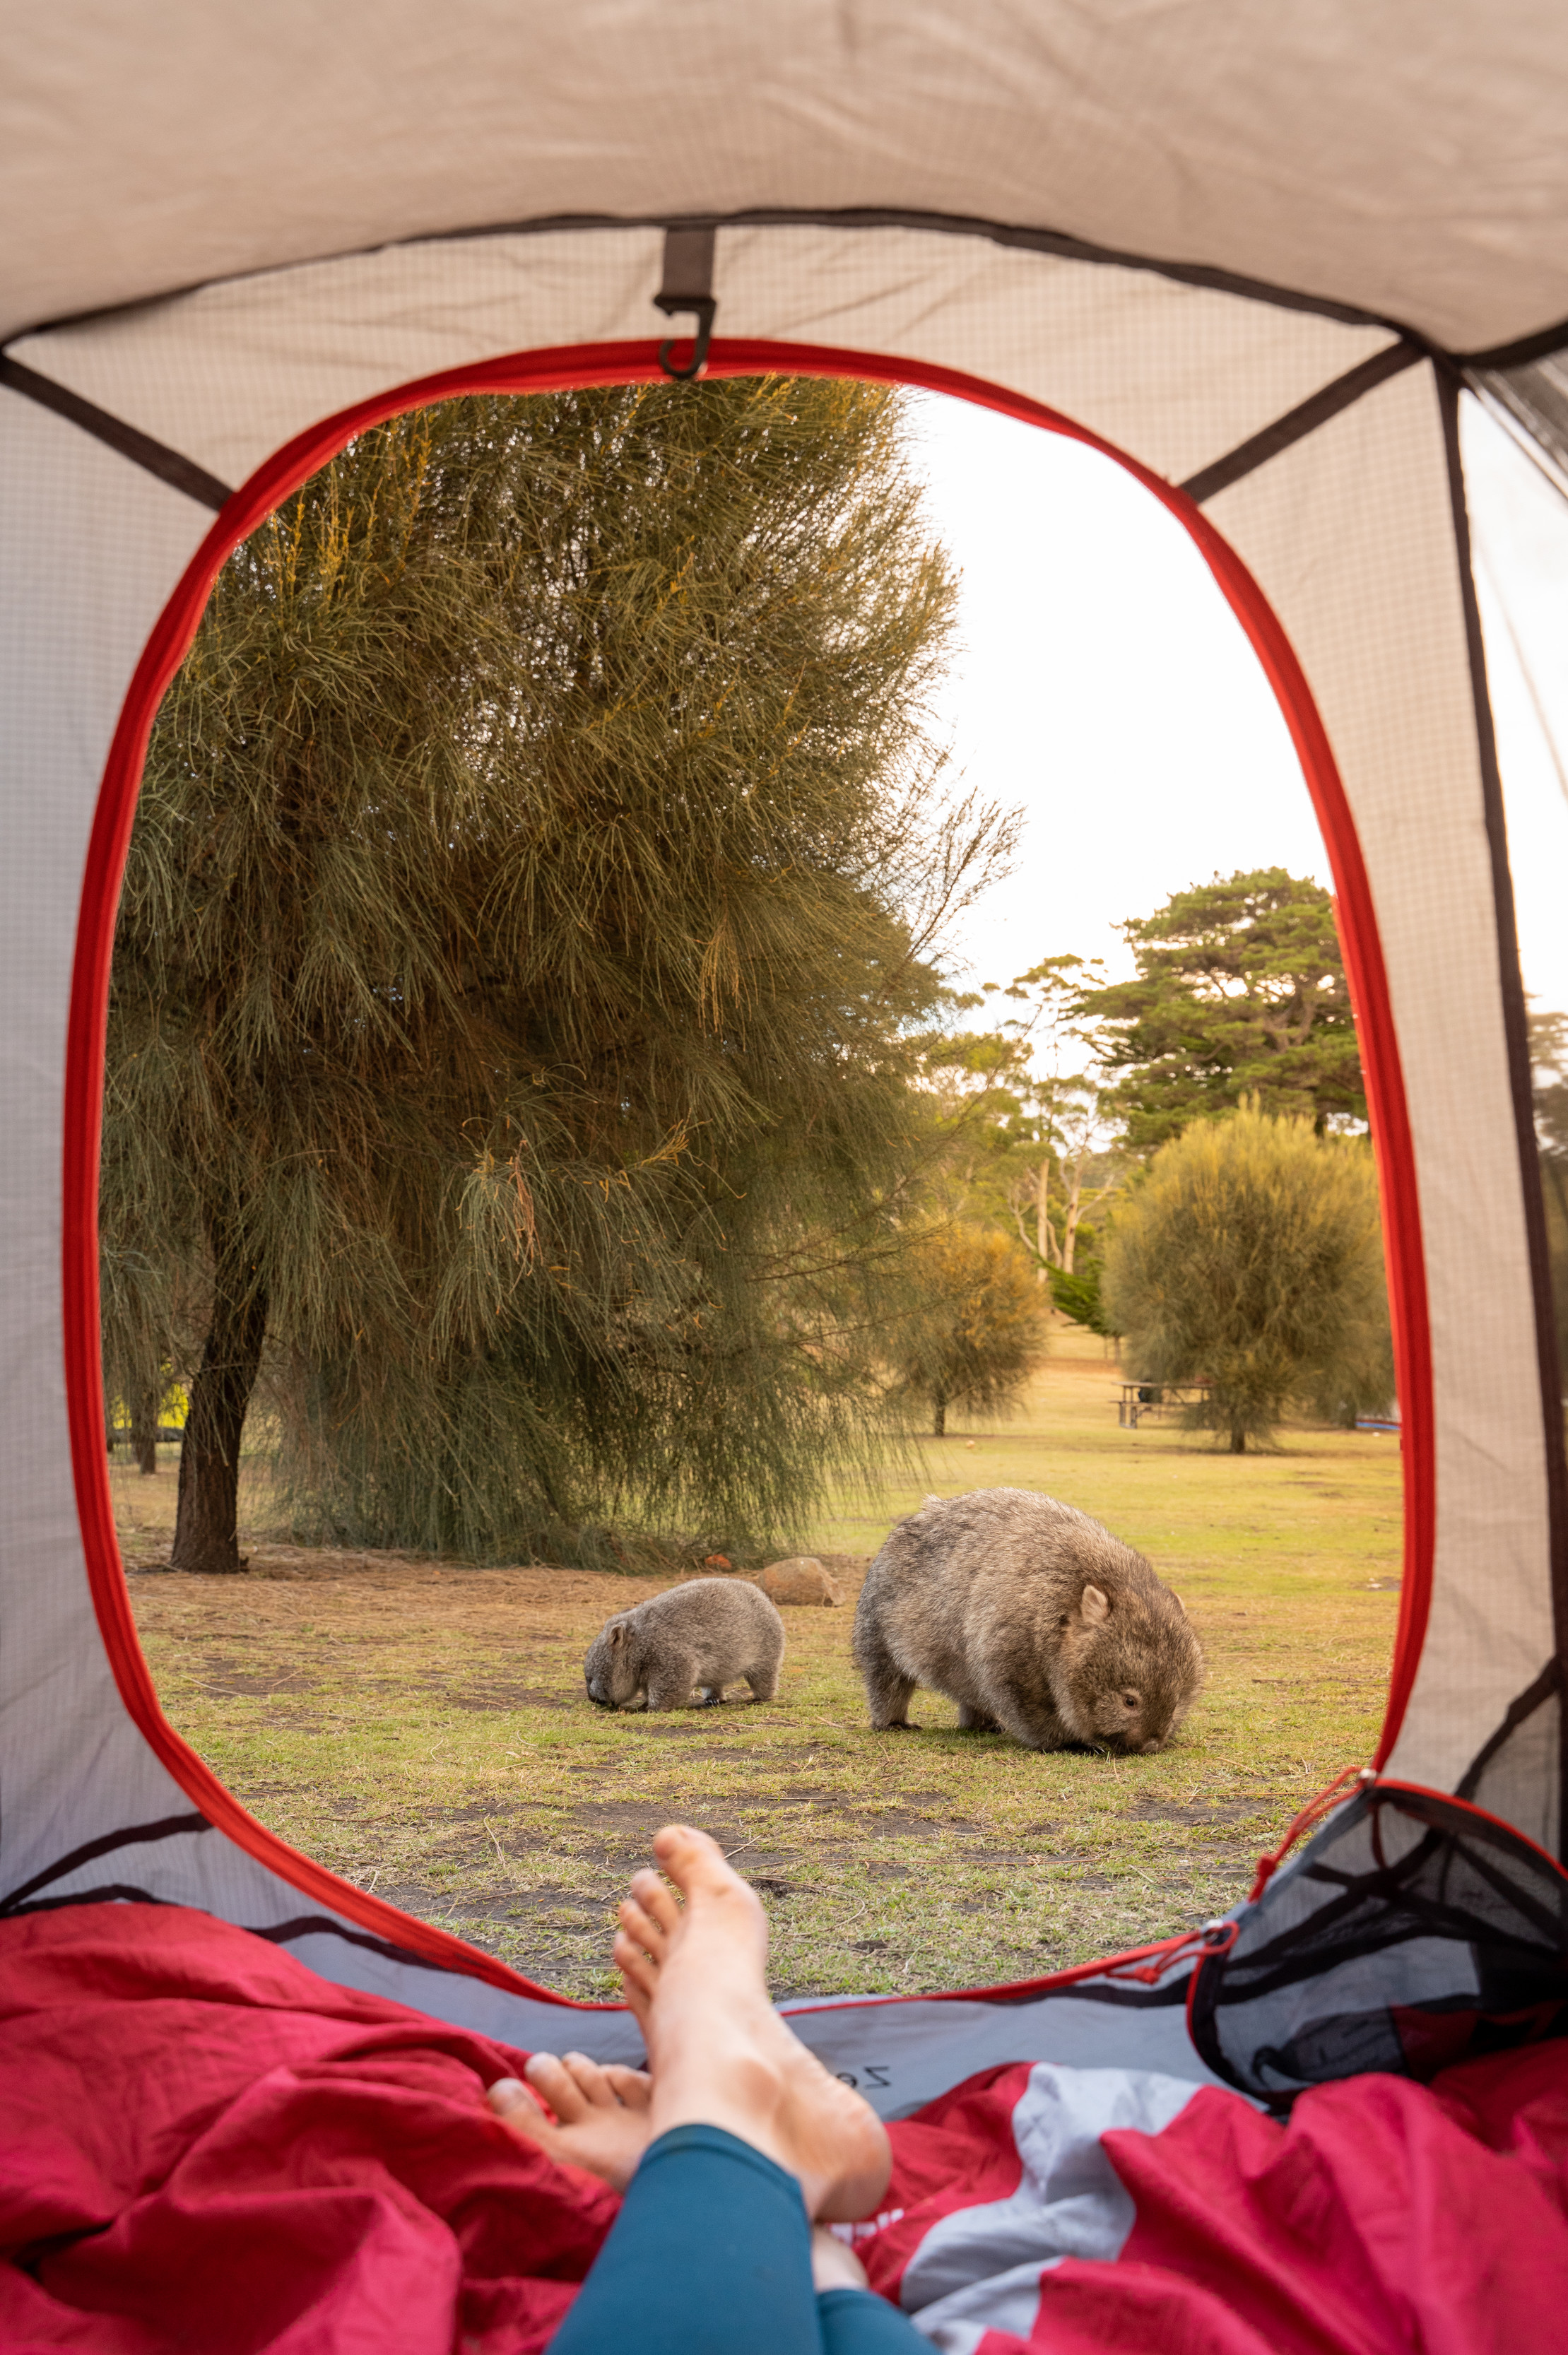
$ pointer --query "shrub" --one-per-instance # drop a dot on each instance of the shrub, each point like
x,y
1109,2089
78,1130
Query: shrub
x,y
1249,1257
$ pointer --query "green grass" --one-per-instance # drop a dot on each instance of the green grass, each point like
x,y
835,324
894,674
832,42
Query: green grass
x,y
423,1728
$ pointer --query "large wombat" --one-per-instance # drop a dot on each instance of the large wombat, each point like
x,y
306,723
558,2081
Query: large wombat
x,y
695,1638
1033,1618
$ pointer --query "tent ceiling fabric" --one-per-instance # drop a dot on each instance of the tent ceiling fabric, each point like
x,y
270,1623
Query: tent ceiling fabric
x,y
244,222
1403,159
1176,375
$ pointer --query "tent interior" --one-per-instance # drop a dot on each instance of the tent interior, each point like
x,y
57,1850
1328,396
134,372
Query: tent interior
x,y
1274,265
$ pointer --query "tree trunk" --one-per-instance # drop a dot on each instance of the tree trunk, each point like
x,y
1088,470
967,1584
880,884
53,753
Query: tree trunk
x,y
1072,1213
939,1417
1045,1239
144,1429
1238,1440
207,1517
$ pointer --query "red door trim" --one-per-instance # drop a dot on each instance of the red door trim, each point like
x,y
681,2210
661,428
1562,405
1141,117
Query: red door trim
x,y
555,370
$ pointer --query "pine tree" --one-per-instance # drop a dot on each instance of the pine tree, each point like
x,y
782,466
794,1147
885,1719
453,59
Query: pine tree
x,y
1241,991
527,912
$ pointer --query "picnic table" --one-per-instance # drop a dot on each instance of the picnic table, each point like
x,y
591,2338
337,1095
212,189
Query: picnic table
x,y
1141,1399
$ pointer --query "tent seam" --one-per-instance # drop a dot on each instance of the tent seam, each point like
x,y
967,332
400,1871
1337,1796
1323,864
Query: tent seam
x,y
1017,236
1517,1035
1297,423
171,466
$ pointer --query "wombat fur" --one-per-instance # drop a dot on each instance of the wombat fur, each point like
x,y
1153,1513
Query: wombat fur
x,y
801,1578
1033,1618
695,1638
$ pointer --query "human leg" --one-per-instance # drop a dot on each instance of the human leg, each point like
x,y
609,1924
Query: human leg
x,y
709,2255
719,2051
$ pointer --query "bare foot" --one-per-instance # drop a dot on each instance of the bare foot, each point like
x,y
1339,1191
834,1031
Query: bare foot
x,y
720,2053
601,2114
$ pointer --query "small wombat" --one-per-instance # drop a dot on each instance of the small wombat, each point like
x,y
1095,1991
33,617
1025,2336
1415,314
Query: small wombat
x,y
698,1637
1033,1618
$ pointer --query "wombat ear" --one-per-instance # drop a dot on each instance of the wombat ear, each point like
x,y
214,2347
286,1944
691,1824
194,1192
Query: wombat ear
x,y
1095,1606
617,1634
1177,1600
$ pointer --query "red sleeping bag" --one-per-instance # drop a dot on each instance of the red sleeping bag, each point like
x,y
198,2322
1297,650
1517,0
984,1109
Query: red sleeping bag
x,y
207,2147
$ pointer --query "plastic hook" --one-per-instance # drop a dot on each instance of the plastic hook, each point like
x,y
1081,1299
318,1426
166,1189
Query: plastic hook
x,y
702,308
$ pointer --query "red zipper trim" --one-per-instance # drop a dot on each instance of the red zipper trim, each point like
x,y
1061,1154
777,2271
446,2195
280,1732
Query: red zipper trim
x,y
563,369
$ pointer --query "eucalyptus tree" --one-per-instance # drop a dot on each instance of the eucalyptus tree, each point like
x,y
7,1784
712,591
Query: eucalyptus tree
x,y
528,913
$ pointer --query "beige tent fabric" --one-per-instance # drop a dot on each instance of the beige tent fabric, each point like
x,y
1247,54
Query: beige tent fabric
x,y
1404,159
1349,532
1402,165
1350,537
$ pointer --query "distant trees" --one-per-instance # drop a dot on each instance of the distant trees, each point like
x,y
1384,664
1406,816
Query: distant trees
x,y
1029,1146
980,1331
527,923
1241,991
1549,1061
1249,1258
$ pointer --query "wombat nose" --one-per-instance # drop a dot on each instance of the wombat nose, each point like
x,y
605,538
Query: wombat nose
x,y
1150,1748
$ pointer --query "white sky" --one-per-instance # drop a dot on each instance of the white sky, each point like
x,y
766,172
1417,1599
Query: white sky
x,y
1105,683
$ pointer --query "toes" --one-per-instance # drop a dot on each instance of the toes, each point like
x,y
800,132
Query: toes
x,y
517,2110
654,1894
637,1920
643,1932
592,2081
633,2088
640,1975
694,1863
557,2085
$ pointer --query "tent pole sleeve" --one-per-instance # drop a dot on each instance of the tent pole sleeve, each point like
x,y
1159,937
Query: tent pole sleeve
x,y
180,473
1517,1031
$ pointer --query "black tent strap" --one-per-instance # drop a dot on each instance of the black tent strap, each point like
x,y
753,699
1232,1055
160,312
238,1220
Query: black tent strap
x,y
1524,1707
180,473
129,1836
1303,418
691,253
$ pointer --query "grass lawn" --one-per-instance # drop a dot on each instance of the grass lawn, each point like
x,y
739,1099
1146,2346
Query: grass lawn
x,y
422,1728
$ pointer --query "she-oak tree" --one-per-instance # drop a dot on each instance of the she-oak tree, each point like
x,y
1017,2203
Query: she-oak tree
x,y
527,921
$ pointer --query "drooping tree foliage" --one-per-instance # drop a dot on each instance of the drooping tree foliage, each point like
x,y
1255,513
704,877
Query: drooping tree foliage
x,y
525,921
1249,1259
1241,991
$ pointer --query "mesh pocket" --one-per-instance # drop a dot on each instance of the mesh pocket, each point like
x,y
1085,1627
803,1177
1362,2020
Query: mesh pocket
x,y
1411,1933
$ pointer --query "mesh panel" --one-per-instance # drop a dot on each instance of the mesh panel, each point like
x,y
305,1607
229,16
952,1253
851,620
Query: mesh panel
x,y
1410,1933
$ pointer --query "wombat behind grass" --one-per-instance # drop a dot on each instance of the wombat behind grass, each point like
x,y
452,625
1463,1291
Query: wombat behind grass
x,y
694,1638
1033,1618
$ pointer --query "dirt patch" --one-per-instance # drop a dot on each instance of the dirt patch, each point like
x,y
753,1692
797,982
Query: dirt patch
x,y
493,1700
219,1679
